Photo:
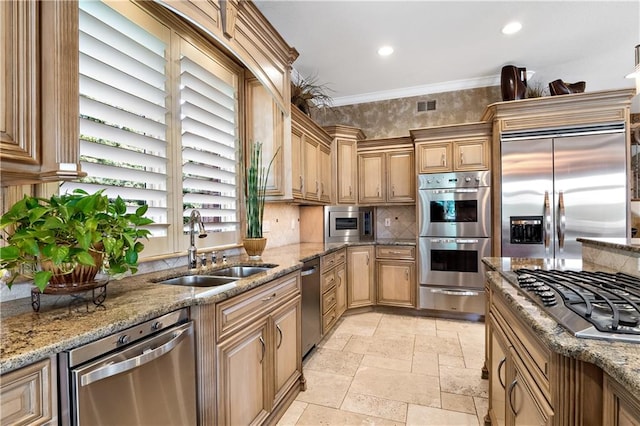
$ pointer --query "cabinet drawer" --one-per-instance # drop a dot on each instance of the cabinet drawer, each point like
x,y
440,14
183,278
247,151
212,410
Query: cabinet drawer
x,y
328,280
340,256
395,252
233,313
27,396
328,319
329,300
327,262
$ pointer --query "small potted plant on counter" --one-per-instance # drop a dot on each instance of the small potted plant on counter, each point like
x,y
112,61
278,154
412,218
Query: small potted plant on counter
x,y
66,239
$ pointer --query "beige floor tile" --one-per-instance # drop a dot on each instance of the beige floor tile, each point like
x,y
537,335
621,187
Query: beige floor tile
x,y
463,381
397,385
315,415
423,416
374,406
451,361
482,407
333,361
292,414
425,363
355,325
358,344
335,341
425,326
447,334
388,363
326,389
449,345
398,348
455,402
460,325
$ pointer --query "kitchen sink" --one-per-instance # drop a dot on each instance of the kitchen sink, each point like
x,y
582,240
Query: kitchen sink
x,y
199,280
242,271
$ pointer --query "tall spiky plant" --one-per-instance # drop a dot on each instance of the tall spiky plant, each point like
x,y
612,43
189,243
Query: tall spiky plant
x,y
255,189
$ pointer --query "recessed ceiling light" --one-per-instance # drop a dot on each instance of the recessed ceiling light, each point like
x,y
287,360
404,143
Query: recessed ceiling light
x,y
385,51
512,28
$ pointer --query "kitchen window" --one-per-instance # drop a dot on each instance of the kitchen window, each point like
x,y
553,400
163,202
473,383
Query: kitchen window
x,y
159,122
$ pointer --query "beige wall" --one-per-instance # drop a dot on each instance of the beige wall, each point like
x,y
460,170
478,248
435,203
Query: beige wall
x,y
394,117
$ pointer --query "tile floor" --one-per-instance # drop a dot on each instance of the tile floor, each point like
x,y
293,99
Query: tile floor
x,y
383,369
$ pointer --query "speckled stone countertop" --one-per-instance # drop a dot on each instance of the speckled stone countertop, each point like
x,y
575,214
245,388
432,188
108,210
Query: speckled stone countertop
x,y
27,336
626,244
620,360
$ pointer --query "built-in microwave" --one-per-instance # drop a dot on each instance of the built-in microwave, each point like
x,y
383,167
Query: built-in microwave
x,y
348,223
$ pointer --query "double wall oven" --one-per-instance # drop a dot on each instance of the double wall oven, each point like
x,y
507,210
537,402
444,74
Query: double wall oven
x,y
454,215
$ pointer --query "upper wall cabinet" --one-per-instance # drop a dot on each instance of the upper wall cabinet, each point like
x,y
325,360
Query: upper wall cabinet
x,y
39,92
311,171
459,147
386,172
345,159
245,32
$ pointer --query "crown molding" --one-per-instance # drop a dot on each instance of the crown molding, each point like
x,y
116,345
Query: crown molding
x,y
448,86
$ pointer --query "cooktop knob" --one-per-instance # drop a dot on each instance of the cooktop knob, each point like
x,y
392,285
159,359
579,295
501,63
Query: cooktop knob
x,y
124,339
467,179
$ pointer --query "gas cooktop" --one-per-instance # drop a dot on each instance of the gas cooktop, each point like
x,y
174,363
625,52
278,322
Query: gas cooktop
x,y
597,305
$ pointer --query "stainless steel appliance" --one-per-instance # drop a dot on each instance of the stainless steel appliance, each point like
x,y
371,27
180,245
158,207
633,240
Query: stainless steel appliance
x,y
595,305
144,375
311,315
454,235
348,223
561,184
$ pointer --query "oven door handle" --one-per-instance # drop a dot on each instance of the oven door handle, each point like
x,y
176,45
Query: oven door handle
x,y
130,364
456,292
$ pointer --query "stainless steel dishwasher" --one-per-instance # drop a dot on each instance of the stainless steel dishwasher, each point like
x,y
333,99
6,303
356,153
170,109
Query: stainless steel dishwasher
x,y
311,316
144,375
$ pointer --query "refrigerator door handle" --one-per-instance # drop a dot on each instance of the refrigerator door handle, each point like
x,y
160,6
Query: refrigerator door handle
x,y
562,219
547,221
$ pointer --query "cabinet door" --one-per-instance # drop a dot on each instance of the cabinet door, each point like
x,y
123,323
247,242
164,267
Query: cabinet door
x,y
471,155
360,272
497,374
371,178
526,404
341,289
347,171
396,283
242,377
434,157
311,186
401,177
288,348
297,141
325,179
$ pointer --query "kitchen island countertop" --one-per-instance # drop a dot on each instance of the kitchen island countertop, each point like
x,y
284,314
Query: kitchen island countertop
x,y
619,360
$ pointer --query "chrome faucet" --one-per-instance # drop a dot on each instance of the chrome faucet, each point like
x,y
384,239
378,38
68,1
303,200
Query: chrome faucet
x,y
193,251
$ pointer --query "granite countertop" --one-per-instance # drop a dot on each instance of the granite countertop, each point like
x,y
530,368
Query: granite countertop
x,y
27,336
625,244
619,360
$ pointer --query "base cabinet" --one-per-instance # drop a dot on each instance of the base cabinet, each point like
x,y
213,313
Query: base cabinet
x,y
621,407
396,276
361,282
259,353
333,288
28,395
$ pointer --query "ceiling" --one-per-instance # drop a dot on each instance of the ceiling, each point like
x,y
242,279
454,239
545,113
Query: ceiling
x,y
451,45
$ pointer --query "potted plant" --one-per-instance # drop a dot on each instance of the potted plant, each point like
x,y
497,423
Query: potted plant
x,y
306,93
67,239
255,191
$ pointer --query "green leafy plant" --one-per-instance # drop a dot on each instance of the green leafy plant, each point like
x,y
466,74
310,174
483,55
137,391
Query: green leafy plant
x,y
65,230
255,189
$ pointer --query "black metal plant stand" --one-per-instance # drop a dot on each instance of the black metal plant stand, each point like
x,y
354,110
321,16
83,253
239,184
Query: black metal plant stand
x,y
78,292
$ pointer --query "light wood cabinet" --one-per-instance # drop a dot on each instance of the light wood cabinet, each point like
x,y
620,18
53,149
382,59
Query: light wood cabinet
x,y
39,97
345,160
259,354
28,395
386,171
396,276
526,404
620,407
360,276
311,160
460,147
333,288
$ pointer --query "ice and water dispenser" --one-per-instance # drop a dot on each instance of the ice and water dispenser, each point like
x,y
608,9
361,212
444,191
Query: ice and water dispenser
x,y
526,229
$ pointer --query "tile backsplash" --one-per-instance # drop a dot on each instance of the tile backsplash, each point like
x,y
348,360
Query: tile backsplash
x,y
281,224
402,222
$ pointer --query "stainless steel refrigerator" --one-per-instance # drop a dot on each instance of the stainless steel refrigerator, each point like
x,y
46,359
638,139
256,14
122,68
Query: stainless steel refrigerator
x,y
560,185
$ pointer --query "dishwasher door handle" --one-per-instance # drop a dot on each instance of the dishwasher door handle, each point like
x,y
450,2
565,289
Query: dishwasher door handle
x,y
130,364
308,272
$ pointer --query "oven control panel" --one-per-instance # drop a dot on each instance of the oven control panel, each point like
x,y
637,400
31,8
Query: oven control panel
x,y
454,180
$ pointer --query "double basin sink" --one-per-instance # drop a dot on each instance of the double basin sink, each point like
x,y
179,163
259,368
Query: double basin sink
x,y
218,277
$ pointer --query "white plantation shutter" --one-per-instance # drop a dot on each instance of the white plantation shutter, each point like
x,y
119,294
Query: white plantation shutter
x,y
123,110
208,118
